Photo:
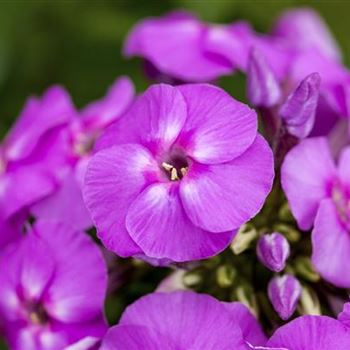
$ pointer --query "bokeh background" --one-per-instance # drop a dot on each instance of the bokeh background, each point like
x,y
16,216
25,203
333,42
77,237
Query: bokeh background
x,y
78,44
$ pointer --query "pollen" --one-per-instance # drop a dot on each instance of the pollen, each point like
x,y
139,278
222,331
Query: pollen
x,y
173,173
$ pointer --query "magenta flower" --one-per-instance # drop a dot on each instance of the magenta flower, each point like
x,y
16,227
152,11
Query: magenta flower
x,y
48,298
31,156
66,203
182,320
284,293
318,193
310,333
178,174
294,24
182,47
273,250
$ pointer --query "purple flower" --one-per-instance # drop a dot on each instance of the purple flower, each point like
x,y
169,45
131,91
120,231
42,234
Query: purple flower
x,y
303,29
284,293
48,297
263,88
310,333
182,320
319,193
178,174
298,112
273,250
182,47
313,49
66,203
30,157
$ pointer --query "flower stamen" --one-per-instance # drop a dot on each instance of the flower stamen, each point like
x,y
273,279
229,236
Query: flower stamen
x,y
173,173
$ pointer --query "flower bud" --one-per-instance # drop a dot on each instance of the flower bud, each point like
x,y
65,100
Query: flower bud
x,y
284,293
225,275
273,250
263,89
298,112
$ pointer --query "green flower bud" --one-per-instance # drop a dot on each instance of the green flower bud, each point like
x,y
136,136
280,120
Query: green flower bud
x,y
244,238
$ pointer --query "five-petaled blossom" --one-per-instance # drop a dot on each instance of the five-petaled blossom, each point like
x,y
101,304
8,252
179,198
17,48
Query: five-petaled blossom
x,y
52,288
66,203
318,192
178,174
31,158
183,320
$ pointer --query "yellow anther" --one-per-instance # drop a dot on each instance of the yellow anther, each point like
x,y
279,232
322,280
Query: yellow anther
x,y
184,171
167,167
34,317
174,176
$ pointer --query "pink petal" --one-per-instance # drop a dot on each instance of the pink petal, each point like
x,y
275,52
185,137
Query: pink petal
x,y
331,245
311,333
293,24
132,337
65,205
100,113
222,197
175,46
69,297
193,321
344,165
218,128
38,266
307,173
155,120
249,325
38,117
114,178
24,187
158,224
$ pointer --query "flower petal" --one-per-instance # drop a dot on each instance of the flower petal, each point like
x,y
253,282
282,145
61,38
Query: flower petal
x,y
222,197
155,120
38,117
307,172
174,45
65,205
293,24
69,297
114,178
218,128
23,187
331,245
100,113
311,333
344,165
263,89
249,325
158,224
132,337
192,321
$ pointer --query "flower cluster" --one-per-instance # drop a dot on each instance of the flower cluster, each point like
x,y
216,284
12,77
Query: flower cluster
x,y
251,224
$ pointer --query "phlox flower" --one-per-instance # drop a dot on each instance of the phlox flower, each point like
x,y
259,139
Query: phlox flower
x,y
182,47
183,320
52,288
84,127
318,192
176,176
32,157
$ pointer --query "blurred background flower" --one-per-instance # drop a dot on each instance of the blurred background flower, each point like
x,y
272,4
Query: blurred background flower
x,y
78,44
